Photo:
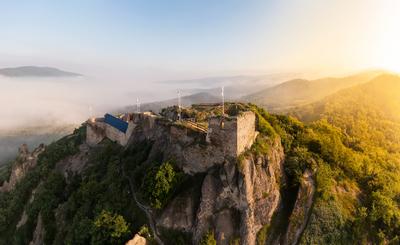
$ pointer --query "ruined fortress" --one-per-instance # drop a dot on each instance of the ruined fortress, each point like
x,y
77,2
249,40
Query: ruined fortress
x,y
227,136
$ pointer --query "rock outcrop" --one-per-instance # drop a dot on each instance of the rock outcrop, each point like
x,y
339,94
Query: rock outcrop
x,y
237,199
180,213
39,233
299,217
137,240
24,162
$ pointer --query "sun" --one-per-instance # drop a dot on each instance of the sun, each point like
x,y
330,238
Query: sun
x,y
387,46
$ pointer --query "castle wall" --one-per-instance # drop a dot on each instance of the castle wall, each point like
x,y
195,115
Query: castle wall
x,y
94,133
223,137
97,131
115,135
236,135
246,131
230,139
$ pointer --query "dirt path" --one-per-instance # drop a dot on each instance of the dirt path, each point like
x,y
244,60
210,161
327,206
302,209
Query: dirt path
x,y
147,210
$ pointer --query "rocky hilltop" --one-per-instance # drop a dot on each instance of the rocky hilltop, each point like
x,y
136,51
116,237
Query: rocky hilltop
x,y
184,176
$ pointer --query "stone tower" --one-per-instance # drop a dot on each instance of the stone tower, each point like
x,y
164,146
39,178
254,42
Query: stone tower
x,y
233,134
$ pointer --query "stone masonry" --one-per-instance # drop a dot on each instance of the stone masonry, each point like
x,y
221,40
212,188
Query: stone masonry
x,y
232,134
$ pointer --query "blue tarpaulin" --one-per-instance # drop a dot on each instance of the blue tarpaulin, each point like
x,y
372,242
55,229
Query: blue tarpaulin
x,y
116,122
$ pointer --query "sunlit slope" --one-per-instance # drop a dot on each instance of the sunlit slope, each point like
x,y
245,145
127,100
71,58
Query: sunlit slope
x,y
369,112
301,92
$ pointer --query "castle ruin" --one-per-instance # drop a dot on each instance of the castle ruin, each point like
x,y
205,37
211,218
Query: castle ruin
x,y
231,135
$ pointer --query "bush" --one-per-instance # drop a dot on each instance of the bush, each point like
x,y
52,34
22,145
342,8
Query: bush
x,y
208,239
109,228
160,183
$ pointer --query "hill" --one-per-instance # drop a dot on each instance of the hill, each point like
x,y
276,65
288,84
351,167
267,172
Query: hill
x,y
301,92
369,112
297,184
36,71
235,86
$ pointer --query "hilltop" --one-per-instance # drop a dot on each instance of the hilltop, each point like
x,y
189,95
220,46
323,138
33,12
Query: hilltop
x,y
36,71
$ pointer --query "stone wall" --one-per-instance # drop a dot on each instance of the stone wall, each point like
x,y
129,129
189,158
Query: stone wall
x,y
98,130
234,135
229,137
94,133
223,135
246,131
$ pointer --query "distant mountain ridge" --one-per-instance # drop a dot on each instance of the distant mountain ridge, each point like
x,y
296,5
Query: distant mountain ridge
x,y
202,97
36,71
300,92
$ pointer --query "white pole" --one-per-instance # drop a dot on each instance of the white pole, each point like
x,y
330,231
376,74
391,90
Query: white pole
x,y
223,101
137,105
179,105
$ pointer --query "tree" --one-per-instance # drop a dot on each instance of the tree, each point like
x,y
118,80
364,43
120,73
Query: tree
x,y
160,183
109,228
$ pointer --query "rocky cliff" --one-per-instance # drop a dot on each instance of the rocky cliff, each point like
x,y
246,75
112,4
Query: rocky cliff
x,y
25,161
238,197
300,215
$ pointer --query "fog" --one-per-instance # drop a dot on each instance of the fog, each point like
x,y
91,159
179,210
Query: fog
x,y
39,110
30,102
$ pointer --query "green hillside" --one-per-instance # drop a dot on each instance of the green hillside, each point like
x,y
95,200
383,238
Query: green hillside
x,y
369,113
368,116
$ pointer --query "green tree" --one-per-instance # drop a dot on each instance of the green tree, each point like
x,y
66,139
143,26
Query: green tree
x,y
160,183
109,228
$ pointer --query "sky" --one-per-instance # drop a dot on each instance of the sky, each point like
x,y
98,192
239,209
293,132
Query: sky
x,y
161,40
125,48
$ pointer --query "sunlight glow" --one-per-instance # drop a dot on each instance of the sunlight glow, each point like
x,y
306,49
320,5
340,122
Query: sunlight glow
x,y
387,48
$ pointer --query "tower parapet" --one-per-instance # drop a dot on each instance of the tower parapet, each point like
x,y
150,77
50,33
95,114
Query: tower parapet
x,y
233,134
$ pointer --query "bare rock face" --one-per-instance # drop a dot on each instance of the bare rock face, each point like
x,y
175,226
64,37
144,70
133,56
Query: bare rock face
x,y
38,234
137,240
259,192
75,163
239,199
24,162
179,214
299,217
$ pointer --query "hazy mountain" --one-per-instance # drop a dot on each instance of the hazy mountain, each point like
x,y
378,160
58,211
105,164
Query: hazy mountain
x,y
300,91
370,112
185,100
235,86
36,71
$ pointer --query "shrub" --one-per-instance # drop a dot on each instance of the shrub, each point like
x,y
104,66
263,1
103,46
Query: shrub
x,y
208,239
160,183
109,228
